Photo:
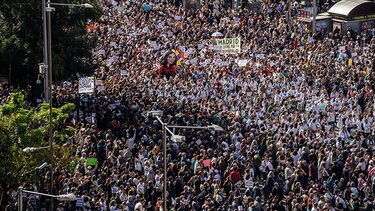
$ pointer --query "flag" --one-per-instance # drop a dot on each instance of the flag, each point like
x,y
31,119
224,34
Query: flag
x,y
179,57
350,61
90,27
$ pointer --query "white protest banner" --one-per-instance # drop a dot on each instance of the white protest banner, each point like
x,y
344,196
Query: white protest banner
x,y
120,31
182,49
260,56
86,85
100,88
160,25
98,82
217,48
193,61
203,64
145,30
218,62
189,52
154,45
224,63
229,45
123,72
120,9
242,62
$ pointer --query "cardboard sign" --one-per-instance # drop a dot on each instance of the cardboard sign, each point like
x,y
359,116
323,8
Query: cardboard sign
x,y
100,88
182,49
98,82
91,161
193,61
242,62
207,163
86,85
123,72
229,45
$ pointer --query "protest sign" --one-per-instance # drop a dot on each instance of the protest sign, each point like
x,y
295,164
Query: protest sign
x,y
242,62
224,63
182,49
218,62
91,161
229,45
260,56
154,45
86,85
193,61
189,51
100,88
123,72
207,163
98,82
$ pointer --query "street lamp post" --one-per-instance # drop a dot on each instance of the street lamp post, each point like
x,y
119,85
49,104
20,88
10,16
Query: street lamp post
x,y
32,149
64,197
165,128
47,59
314,17
44,65
165,197
49,9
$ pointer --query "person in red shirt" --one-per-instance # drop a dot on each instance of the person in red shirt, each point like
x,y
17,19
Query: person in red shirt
x,y
168,64
235,175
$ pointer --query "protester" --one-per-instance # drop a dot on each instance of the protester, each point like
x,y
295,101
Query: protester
x,y
298,116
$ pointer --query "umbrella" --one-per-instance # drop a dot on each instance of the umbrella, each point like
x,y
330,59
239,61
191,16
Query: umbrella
x,y
217,34
147,7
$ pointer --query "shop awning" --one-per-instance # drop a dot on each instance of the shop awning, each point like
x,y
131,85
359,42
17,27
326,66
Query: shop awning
x,y
353,10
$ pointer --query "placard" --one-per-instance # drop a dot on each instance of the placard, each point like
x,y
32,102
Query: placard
x,y
100,88
229,45
86,85
207,163
242,62
91,161
123,72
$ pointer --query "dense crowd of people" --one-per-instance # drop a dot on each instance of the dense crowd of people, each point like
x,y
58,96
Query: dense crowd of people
x,y
298,113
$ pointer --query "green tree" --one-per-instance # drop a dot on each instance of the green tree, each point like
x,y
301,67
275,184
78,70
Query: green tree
x,y
21,127
21,39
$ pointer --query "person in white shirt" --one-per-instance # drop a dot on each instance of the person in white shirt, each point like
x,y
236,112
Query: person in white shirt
x,y
344,134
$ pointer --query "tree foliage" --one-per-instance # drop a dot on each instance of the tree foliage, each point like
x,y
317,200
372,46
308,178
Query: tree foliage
x,y
21,39
21,127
